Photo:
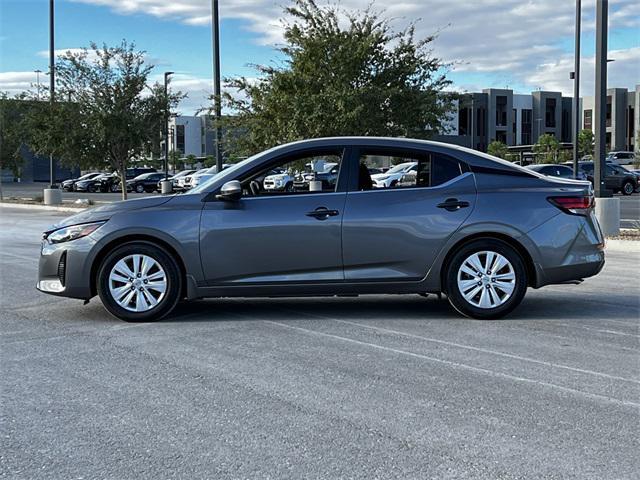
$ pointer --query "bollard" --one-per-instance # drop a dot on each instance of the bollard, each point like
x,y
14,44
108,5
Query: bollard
x,y
52,196
608,214
166,187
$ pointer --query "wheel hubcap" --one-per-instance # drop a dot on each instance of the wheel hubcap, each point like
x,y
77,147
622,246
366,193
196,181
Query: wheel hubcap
x,y
137,283
486,279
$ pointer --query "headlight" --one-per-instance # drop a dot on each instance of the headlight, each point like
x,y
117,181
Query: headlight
x,y
66,234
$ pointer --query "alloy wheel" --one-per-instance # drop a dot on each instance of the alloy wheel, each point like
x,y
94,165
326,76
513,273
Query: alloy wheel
x,y
137,283
486,279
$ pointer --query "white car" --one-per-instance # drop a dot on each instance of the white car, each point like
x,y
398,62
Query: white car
x,y
391,177
278,180
185,182
621,158
201,177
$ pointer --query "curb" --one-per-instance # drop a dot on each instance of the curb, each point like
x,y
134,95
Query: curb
x,y
615,245
50,208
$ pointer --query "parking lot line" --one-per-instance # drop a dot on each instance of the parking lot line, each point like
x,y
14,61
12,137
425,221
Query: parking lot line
x,y
593,396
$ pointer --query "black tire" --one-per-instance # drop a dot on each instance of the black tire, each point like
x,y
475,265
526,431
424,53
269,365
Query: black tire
x,y
114,188
140,188
627,188
289,187
91,189
456,298
168,264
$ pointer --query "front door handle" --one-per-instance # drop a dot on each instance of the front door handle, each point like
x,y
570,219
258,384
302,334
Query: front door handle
x,y
322,213
453,204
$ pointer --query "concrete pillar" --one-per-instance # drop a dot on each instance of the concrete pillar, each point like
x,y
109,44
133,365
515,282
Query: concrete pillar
x,y
608,214
52,196
166,187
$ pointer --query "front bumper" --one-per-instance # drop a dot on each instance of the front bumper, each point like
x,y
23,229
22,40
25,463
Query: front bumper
x,y
63,269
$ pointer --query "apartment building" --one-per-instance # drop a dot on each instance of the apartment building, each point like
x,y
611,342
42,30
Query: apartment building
x,y
191,135
622,118
520,119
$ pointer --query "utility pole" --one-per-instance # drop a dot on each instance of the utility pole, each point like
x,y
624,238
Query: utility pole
x,y
602,7
52,81
576,89
215,38
473,125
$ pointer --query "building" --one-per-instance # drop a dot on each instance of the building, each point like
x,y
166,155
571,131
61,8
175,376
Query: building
x,y
518,120
191,135
622,118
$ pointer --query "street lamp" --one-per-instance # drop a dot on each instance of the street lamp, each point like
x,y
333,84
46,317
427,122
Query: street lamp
x,y
576,89
166,188
215,39
38,72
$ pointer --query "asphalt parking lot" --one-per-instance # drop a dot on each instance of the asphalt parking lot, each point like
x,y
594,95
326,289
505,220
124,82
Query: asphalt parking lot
x,y
369,387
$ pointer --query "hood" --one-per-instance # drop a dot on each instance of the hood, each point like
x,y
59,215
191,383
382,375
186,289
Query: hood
x,y
277,176
107,211
380,176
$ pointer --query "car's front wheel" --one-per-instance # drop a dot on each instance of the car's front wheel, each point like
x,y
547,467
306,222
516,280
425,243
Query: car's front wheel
x,y
628,188
486,279
139,282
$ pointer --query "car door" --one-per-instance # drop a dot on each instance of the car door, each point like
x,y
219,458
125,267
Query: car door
x,y
612,179
275,237
396,233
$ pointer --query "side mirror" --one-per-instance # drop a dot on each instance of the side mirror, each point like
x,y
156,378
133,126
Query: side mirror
x,y
230,191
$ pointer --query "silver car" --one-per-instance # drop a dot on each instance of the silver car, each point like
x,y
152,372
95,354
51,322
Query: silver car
x,y
479,229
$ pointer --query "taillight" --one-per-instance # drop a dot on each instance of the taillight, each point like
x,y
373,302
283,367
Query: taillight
x,y
574,205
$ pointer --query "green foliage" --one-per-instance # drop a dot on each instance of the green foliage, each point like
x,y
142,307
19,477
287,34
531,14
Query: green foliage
x,y
344,73
546,149
209,161
12,134
498,149
113,115
585,143
565,156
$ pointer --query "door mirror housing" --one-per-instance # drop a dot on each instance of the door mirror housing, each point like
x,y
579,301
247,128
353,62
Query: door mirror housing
x,y
230,191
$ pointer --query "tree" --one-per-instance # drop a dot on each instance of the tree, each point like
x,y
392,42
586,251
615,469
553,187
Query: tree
x,y
12,134
357,77
546,149
585,143
209,161
112,116
497,149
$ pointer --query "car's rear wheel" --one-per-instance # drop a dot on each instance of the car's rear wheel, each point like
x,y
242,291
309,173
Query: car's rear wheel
x,y
91,189
139,282
114,188
140,188
628,188
486,279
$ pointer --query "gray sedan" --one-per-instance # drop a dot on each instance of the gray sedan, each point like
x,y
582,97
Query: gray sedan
x,y
477,228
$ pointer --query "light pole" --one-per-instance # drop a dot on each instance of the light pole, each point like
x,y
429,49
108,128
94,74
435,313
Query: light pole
x,y
215,39
576,89
52,78
38,72
166,133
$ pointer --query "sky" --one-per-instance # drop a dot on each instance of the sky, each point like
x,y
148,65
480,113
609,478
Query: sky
x,y
517,44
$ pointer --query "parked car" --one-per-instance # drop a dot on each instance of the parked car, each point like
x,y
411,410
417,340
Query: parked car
x,y
278,180
327,175
175,179
186,182
147,182
616,178
477,228
553,170
133,172
393,175
105,182
621,158
68,185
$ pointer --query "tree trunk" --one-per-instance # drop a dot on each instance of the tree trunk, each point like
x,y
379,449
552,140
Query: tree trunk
x,y
123,181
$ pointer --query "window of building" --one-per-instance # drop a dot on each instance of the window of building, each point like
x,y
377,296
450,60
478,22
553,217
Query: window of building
x,y
515,124
526,126
463,121
409,170
501,111
501,136
587,123
180,138
550,112
480,124
608,116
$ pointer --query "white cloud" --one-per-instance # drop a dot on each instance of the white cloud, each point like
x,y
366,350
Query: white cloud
x,y
14,83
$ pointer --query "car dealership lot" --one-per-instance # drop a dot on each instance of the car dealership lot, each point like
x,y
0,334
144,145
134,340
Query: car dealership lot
x,y
376,386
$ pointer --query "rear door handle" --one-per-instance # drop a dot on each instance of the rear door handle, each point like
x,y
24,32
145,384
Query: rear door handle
x,y
322,213
453,204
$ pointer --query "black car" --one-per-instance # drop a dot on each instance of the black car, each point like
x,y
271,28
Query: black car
x,y
616,178
100,183
328,179
147,182
68,185
552,170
